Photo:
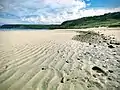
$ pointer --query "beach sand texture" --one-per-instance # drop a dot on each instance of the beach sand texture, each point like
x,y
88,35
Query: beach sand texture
x,y
56,60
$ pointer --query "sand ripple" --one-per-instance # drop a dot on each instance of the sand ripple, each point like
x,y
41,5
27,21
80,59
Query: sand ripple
x,y
57,64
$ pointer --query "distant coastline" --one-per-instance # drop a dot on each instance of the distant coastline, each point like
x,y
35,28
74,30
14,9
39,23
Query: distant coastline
x,y
106,20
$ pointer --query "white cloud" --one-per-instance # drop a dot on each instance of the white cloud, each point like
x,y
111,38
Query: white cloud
x,y
68,15
65,3
50,11
93,12
55,11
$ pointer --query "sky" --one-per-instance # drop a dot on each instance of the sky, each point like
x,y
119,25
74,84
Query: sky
x,y
53,11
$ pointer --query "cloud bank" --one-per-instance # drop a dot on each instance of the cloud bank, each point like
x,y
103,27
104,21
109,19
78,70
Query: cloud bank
x,y
47,11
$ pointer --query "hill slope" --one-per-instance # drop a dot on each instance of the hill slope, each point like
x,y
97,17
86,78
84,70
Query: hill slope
x,y
106,20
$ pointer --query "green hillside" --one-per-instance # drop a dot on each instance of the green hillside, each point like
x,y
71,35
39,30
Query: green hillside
x,y
106,20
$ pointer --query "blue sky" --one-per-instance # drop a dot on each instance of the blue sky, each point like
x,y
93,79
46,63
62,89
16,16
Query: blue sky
x,y
53,11
105,3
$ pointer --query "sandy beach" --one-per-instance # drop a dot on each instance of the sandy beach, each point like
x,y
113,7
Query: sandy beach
x,y
60,59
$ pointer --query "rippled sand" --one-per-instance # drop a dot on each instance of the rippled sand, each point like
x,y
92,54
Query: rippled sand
x,y
53,60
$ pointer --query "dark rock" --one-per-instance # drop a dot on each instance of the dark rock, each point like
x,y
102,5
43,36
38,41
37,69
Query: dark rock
x,y
105,66
105,38
67,62
94,76
104,41
118,61
62,80
43,68
108,44
109,78
117,46
89,43
76,77
111,46
78,59
117,43
114,54
113,38
114,42
89,86
110,71
94,45
58,51
88,33
68,80
102,34
6,66
99,70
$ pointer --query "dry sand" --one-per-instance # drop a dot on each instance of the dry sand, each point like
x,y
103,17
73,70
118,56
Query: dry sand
x,y
56,60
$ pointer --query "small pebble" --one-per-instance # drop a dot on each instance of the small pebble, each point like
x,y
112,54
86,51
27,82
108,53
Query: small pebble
x,y
43,68
109,79
89,43
68,80
67,62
